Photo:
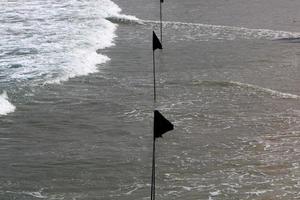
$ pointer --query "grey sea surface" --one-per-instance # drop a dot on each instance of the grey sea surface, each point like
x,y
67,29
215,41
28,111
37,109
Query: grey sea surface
x,y
226,81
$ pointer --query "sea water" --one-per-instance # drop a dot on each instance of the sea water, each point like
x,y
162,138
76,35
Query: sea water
x,y
51,41
228,78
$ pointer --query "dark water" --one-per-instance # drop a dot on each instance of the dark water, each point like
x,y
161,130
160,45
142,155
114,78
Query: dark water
x,y
232,94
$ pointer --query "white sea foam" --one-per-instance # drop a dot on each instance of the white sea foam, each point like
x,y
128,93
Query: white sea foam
x,y
267,90
215,193
210,31
35,194
5,106
257,88
52,45
258,192
232,32
85,58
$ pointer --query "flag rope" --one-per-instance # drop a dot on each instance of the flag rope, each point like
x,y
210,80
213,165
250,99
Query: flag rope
x,y
154,81
161,35
153,152
153,170
160,124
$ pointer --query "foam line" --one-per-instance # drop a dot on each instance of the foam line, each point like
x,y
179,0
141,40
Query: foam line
x,y
5,106
250,86
213,31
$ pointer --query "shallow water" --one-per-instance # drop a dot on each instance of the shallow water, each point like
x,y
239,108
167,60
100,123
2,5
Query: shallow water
x,y
231,92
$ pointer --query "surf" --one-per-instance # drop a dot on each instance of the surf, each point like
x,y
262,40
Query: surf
x,y
6,107
63,42
247,86
60,44
198,31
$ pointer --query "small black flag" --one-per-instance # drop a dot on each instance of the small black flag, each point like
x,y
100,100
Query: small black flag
x,y
161,1
156,42
161,124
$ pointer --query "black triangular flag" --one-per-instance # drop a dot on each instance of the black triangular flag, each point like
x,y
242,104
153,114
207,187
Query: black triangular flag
x,y
161,124
156,42
161,1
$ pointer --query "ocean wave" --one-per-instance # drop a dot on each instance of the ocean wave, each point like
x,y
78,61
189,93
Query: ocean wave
x,y
120,19
289,39
210,31
5,106
268,91
32,194
87,58
53,45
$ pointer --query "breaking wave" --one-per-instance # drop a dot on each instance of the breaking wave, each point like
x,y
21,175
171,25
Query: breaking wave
x,y
197,31
5,106
268,91
53,45
121,19
46,42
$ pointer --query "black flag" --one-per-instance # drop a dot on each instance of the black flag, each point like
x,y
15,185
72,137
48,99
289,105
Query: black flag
x,y
161,124
156,42
161,1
